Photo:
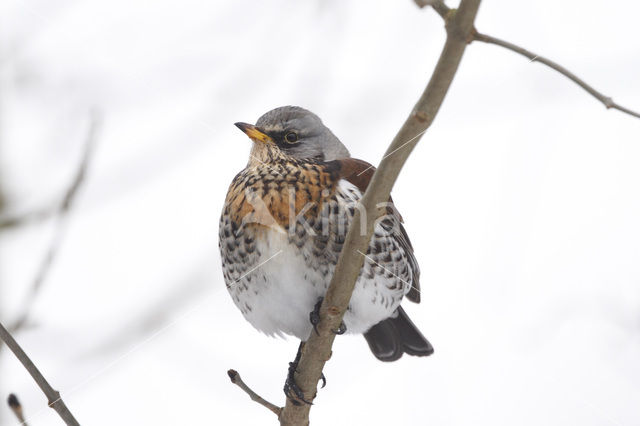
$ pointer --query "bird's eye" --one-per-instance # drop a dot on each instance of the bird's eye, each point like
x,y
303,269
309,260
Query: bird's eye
x,y
291,137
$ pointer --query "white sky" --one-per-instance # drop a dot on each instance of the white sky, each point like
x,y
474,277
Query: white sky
x,y
522,202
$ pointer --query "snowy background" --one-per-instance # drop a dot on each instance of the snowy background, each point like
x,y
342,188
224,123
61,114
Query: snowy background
x,y
522,202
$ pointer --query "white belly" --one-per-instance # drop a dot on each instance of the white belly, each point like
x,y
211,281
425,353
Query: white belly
x,y
282,290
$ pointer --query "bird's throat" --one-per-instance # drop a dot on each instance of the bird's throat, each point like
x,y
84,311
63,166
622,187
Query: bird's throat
x,y
265,153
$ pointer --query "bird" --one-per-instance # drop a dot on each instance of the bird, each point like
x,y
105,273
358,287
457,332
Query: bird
x,y
283,225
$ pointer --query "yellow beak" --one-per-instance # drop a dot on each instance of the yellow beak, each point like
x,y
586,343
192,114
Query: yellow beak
x,y
254,133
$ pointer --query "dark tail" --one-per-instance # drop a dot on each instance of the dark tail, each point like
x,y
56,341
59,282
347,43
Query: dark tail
x,y
392,337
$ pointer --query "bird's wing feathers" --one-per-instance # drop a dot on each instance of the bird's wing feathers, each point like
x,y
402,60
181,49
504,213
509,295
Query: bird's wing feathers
x,y
359,173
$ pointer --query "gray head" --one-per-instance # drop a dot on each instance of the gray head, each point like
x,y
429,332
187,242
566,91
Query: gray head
x,y
298,133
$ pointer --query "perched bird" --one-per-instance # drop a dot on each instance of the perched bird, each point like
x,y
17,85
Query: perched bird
x,y
282,228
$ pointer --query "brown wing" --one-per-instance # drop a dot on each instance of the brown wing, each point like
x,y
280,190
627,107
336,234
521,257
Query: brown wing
x,y
359,173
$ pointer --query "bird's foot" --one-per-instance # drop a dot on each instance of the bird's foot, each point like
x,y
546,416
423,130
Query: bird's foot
x,y
341,329
314,318
291,388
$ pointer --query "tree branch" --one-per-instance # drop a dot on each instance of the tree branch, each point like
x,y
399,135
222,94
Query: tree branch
x,y
438,6
317,349
65,204
16,407
443,10
61,212
53,396
237,380
606,100
26,219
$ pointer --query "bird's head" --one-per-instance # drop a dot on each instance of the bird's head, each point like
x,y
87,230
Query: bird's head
x,y
294,132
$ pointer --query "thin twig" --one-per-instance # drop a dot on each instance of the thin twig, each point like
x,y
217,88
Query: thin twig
x,y
53,396
443,10
438,5
606,100
317,349
27,218
16,407
423,3
237,380
61,212
65,203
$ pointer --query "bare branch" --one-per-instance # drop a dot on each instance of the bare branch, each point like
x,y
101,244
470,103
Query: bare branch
x,y
443,11
26,219
53,396
237,380
65,203
61,213
317,349
423,3
606,100
438,6
16,407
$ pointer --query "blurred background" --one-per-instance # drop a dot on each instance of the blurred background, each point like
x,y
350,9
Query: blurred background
x,y
522,202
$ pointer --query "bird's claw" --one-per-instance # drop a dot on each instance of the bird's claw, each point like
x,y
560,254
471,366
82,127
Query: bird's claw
x,y
341,329
291,388
314,316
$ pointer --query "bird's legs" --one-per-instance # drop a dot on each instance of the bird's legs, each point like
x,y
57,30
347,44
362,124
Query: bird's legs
x,y
314,318
290,385
291,388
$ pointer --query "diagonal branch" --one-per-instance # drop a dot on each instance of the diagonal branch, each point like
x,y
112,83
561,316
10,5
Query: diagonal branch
x,y
317,349
606,100
443,10
53,396
61,212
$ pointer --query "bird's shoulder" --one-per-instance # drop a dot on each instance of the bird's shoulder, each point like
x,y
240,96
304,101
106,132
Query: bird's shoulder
x,y
355,171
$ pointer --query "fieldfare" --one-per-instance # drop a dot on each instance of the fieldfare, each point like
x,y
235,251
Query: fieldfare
x,y
283,226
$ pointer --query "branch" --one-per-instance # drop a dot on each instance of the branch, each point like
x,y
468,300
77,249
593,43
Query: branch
x,y
26,219
16,407
61,212
317,349
606,100
53,396
237,380
438,6
65,204
443,11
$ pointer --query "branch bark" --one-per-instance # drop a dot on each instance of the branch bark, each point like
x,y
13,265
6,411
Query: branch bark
x,y
317,350
53,396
